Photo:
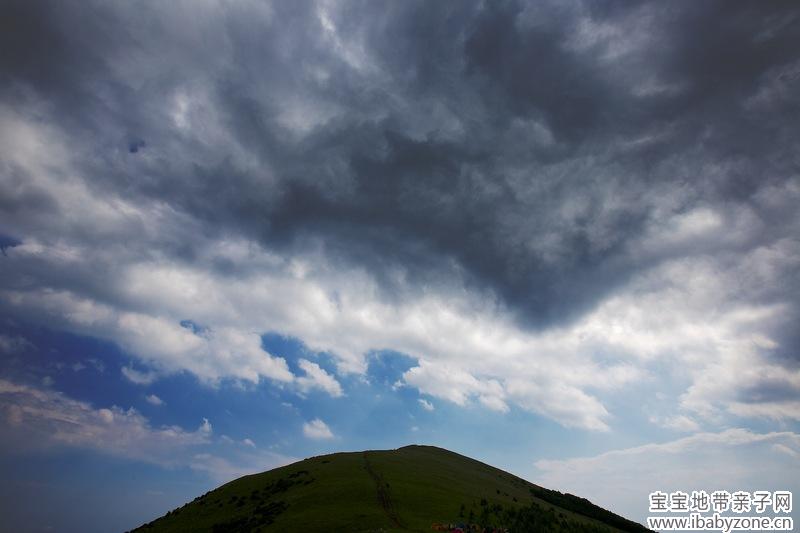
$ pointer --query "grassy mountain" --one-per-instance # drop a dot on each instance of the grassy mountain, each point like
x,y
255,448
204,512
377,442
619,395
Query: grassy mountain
x,y
415,488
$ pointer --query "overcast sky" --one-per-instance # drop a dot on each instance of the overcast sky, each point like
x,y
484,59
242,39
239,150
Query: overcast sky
x,y
560,237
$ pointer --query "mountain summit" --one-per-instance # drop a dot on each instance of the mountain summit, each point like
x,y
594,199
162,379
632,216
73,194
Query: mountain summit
x,y
414,488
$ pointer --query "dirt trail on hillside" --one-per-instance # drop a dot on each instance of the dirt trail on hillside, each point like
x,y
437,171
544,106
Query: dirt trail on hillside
x,y
384,497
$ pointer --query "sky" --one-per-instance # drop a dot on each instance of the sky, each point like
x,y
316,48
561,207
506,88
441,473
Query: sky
x,y
560,237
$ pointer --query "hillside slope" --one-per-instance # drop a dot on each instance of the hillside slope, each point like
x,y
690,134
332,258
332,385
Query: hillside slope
x,y
415,488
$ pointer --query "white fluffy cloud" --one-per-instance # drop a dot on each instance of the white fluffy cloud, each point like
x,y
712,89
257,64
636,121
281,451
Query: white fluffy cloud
x,y
152,399
316,378
137,376
317,429
468,350
682,318
453,384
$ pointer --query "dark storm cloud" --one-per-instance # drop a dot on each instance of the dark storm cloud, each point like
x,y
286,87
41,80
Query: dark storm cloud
x,y
525,146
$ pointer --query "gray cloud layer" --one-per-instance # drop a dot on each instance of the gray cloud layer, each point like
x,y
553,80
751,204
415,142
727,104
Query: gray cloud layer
x,y
526,145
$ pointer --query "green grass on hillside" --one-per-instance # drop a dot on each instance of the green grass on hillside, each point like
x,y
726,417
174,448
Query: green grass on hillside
x,y
414,488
